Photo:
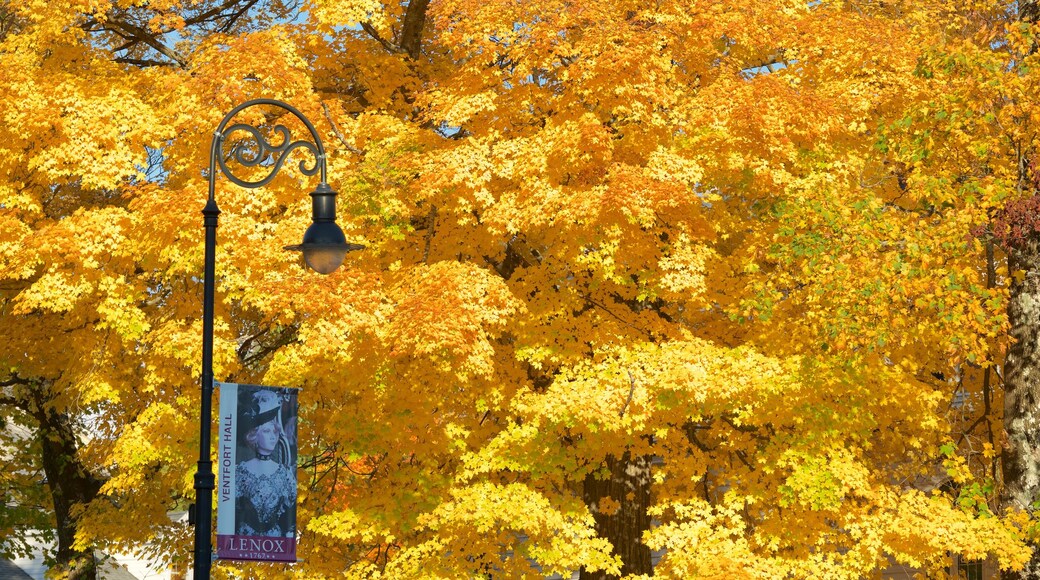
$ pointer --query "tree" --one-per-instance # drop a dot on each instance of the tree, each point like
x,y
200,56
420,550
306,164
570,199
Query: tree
x,y
967,153
1018,229
626,262
964,154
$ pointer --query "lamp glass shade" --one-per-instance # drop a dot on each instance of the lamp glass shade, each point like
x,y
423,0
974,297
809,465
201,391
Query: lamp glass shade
x,y
324,247
324,258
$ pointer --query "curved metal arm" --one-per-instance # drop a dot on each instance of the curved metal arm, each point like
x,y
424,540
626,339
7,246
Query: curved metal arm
x,y
264,149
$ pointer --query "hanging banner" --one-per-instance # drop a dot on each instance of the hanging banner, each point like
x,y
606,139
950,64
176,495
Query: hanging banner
x,y
256,488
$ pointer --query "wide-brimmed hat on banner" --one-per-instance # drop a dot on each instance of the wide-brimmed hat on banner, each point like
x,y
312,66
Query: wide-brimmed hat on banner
x,y
263,407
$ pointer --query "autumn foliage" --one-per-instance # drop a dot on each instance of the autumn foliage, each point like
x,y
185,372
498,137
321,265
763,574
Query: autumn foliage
x,y
744,258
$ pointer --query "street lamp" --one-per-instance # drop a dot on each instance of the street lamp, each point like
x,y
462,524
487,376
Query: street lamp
x,y
324,247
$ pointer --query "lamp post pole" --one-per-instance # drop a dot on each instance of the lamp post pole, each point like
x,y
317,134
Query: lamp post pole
x,y
324,248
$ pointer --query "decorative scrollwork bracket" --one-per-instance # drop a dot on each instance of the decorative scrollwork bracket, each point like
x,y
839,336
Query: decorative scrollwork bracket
x,y
256,150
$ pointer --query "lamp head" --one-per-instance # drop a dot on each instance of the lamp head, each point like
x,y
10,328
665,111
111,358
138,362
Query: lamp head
x,y
324,246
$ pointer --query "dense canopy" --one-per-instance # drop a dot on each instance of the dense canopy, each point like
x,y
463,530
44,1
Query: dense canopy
x,y
748,284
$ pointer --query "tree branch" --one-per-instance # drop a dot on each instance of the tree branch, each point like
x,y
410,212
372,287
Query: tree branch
x,y
14,380
238,14
631,391
588,298
210,14
339,134
432,231
13,402
144,36
389,46
144,62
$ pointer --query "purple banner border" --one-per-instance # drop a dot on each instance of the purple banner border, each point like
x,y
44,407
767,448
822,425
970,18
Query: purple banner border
x,y
256,548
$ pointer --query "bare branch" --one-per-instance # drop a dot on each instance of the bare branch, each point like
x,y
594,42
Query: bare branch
x,y
339,134
13,402
210,14
743,459
389,46
601,306
238,14
144,36
144,62
14,380
631,391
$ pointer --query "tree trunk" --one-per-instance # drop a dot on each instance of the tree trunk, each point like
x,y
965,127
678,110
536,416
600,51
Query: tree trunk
x,y
1020,456
629,485
70,485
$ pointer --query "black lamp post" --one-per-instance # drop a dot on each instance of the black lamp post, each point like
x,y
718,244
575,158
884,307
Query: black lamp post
x,y
324,247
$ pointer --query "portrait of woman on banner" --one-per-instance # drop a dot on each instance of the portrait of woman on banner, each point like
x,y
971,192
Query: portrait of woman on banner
x,y
265,479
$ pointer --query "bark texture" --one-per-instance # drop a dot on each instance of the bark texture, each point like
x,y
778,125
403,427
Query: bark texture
x,y
414,20
1020,457
629,484
70,484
